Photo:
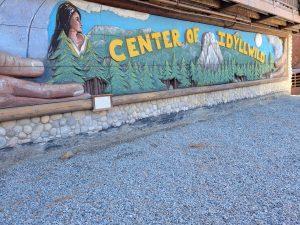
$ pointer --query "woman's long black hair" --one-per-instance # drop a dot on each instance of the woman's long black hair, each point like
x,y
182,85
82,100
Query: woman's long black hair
x,y
63,17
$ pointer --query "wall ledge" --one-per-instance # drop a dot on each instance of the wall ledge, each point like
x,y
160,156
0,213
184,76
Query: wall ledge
x,y
17,113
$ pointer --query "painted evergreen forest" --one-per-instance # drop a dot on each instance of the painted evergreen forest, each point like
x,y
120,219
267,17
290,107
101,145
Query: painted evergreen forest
x,y
149,72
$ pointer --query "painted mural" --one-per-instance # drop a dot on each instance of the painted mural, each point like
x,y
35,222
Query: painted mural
x,y
95,49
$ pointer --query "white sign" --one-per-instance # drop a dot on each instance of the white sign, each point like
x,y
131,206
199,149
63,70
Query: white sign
x,y
102,102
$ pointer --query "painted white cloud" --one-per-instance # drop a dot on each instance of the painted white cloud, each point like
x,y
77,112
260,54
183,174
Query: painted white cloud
x,y
87,6
258,40
126,13
94,7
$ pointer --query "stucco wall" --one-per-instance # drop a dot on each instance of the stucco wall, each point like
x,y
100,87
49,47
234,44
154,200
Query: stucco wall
x,y
23,27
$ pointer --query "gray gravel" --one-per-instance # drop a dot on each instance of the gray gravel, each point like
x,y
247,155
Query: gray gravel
x,y
242,167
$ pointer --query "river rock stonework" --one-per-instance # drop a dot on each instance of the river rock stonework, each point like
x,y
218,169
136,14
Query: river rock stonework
x,y
45,128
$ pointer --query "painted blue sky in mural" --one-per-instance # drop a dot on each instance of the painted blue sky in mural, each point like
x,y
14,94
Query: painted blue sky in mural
x,y
155,23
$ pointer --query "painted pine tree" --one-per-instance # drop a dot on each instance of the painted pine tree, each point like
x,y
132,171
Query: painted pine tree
x,y
131,76
166,72
183,75
119,83
93,65
147,79
155,69
193,73
66,63
106,68
137,70
174,68
156,74
201,75
271,63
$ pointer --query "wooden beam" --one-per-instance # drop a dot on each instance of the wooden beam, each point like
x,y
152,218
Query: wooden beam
x,y
210,3
263,18
243,12
45,109
160,10
288,25
65,107
275,21
227,5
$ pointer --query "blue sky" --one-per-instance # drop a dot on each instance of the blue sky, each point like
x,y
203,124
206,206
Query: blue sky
x,y
156,23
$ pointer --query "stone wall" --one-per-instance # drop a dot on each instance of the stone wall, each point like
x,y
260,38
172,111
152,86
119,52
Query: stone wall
x,y
43,129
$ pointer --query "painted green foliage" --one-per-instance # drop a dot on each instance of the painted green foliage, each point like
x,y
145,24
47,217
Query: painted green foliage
x,y
119,81
93,64
66,68
147,73
183,75
133,81
69,67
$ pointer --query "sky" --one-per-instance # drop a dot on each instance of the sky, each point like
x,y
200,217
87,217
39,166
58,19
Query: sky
x,y
156,24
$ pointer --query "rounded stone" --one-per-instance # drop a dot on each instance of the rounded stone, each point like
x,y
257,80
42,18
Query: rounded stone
x,y
65,131
22,135
2,142
44,134
27,129
78,115
13,142
84,129
48,126
71,121
36,120
9,124
45,119
37,131
17,129
55,123
2,131
103,119
62,122
10,132
105,125
24,141
53,132
24,122
56,117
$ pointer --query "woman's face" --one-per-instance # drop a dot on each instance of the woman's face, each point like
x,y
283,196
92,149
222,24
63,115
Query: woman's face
x,y
75,23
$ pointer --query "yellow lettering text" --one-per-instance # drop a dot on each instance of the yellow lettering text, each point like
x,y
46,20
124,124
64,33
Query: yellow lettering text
x,y
156,36
166,39
175,38
229,41
133,52
145,44
112,50
221,38
236,41
196,32
189,36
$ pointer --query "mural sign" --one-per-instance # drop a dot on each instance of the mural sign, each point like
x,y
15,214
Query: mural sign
x,y
97,49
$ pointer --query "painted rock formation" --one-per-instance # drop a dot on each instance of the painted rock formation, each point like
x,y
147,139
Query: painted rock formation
x,y
20,67
17,92
211,56
277,44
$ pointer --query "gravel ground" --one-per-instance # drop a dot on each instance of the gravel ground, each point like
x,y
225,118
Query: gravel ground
x,y
241,167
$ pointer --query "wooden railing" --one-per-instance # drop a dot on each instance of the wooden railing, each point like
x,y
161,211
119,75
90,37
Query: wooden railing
x,y
290,5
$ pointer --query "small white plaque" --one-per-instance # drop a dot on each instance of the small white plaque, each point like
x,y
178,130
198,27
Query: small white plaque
x,y
102,102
